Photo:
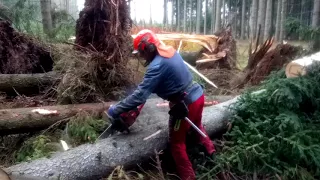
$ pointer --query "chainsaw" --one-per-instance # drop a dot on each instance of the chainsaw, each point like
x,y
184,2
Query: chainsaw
x,y
128,119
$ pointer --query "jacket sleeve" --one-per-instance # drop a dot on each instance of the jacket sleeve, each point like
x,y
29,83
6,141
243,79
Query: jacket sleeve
x,y
140,95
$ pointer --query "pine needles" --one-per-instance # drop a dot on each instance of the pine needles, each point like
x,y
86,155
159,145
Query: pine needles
x,y
276,133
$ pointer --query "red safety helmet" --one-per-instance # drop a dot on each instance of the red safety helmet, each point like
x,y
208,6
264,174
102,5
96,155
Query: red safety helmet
x,y
145,37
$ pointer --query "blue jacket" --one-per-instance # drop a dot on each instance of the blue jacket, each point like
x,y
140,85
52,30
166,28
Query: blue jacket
x,y
164,77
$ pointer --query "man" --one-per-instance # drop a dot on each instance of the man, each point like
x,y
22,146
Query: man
x,y
170,79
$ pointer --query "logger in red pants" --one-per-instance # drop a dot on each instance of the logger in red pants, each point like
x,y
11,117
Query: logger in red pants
x,y
169,78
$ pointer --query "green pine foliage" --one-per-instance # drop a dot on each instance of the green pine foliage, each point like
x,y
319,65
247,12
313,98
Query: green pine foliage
x,y
85,129
275,133
82,128
36,147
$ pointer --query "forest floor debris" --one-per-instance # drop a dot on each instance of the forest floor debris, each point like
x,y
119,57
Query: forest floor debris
x,y
102,51
21,54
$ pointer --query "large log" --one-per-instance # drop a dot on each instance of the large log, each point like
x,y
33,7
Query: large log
x,y
30,119
26,83
94,161
298,67
21,120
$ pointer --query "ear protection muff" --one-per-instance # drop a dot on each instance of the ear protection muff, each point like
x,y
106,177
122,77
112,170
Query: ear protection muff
x,y
145,46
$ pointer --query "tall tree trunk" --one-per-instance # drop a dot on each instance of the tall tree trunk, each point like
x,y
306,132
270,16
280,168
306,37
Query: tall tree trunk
x,y
150,20
302,16
172,15
316,13
253,18
191,16
129,5
135,14
261,17
230,12
185,16
223,13
46,16
178,15
315,24
165,13
213,15
243,15
205,17
68,6
218,16
268,23
283,20
198,16
248,24
278,21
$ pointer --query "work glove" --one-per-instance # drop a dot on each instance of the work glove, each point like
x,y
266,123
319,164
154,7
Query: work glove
x,y
179,110
116,121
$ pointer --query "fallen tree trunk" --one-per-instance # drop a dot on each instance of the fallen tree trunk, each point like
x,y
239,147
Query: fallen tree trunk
x,y
26,83
298,67
23,120
94,161
30,119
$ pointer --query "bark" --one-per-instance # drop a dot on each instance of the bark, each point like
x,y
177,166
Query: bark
x,y
191,16
268,23
178,15
150,20
213,16
185,16
315,44
302,16
224,13
129,5
205,17
253,19
172,15
22,120
135,13
243,15
316,13
94,161
165,13
278,21
230,15
198,16
261,17
46,16
27,84
283,20
68,6
218,16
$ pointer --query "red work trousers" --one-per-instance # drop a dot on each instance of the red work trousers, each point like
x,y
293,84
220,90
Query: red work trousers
x,y
177,139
